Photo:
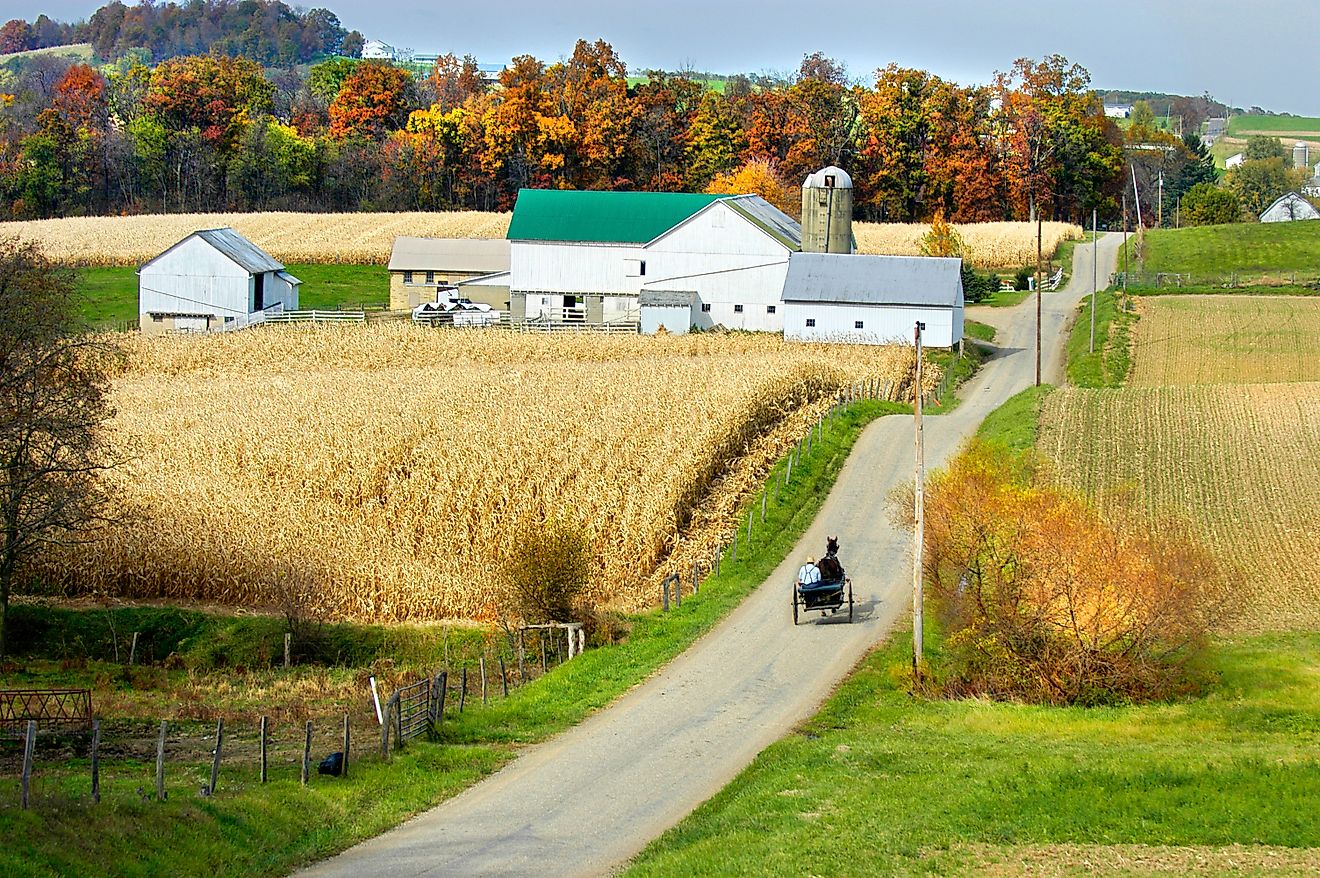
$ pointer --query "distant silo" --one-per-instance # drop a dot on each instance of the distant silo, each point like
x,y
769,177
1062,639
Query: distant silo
x,y
827,206
1302,155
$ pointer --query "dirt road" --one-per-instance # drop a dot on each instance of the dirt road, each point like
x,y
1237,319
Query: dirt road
x,y
592,797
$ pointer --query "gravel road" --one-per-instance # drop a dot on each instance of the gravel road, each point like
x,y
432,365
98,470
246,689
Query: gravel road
x,y
587,800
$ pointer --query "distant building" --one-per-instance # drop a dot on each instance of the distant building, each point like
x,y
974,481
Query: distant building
x,y
1118,111
420,266
1301,156
1234,160
831,297
375,50
1215,128
1289,208
211,278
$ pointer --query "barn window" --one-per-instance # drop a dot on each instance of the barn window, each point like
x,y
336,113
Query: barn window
x,y
811,321
857,324
737,309
705,307
407,277
769,309
641,268
430,277
157,318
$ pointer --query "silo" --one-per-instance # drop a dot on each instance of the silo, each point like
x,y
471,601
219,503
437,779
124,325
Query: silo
x,y
827,206
1301,155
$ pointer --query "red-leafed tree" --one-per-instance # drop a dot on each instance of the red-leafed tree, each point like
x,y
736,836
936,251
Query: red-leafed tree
x,y
216,95
373,101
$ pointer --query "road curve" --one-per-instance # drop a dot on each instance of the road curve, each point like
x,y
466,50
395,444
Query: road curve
x,y
590,798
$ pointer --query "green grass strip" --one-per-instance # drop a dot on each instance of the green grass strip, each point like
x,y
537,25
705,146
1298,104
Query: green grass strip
x,y
1109,364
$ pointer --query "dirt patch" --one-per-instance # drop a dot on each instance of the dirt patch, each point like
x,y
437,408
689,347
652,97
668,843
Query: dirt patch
x,y
1113,861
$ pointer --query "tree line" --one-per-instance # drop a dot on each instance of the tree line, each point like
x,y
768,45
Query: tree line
x,y
266,31
205,132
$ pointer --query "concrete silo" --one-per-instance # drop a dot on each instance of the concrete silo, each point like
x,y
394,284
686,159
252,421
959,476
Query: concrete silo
x,y
827,206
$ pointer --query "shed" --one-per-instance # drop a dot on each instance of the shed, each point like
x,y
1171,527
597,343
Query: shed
x,y
671,310
1289,208
210,278
837,297
418,266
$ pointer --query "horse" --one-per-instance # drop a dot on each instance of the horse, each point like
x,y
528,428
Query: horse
x,y
830,568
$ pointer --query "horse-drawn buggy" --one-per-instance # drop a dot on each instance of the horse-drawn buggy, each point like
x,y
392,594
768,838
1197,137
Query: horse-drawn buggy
x,y
825,588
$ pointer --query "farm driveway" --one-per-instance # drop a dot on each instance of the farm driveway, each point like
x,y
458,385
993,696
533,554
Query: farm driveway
x,y
585,801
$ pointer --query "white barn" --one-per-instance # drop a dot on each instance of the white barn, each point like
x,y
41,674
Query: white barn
x,y
210,278
587,257
1289,208
834,297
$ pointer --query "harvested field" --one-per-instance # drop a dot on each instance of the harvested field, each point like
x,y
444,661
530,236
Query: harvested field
x,y
1225,340
1237,462
366,238
986,245
382,473
359,238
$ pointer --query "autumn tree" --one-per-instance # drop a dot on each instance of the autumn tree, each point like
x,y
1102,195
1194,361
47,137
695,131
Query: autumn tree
x,y
588,126
942,239
216,95
666,105
15,36
1206,204
898,123
1259,182
758,177
374,100
714,141
54,398
1045,599
454,81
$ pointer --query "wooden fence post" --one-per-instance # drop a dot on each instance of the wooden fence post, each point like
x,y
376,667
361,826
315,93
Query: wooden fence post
x,y
160,762
483,679
733,552
262,732
215,761
522,658
764,496
664,596
29,744
307,754
399,740
288,643
343,765
96,761
385,734
542,642
462,691
504,677
696,583
132,650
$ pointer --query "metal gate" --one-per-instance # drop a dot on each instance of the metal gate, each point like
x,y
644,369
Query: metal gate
x,y
67,709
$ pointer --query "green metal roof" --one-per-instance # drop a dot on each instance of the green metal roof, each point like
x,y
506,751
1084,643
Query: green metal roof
x,y
608,217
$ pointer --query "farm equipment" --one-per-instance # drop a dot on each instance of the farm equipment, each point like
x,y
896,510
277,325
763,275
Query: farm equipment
x,y
450,309
826,597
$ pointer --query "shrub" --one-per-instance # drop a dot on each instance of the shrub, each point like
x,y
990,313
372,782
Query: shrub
x,y
1206,204
1022,280
1046,601
977,287
547,569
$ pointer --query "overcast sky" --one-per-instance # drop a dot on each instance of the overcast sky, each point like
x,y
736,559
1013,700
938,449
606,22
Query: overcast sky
x,y
1243,52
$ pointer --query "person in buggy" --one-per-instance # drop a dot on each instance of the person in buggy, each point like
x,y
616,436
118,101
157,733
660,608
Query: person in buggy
x,y
830,568
808,573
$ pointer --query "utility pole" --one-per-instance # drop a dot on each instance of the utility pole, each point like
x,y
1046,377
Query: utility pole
x,y
1136,195
1125,253
1038,286
1095,269
1159,214
920,509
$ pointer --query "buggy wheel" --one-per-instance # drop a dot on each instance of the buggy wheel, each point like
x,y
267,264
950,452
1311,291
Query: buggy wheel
x,y
795,605
850,601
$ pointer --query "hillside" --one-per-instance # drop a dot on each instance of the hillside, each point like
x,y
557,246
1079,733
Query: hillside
x,y
1270,253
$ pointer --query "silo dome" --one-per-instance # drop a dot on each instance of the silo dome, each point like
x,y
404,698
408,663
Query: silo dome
x,y
828,178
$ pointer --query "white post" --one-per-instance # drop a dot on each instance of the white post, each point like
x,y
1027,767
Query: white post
x,y
375,698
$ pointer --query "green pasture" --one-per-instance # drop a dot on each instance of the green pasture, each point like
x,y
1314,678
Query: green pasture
x,y
1241,126
882,782
110,295
1272,252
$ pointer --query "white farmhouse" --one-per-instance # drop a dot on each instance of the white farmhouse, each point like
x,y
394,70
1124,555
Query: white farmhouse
x,y
833,297
1234,160
211,278
1289,208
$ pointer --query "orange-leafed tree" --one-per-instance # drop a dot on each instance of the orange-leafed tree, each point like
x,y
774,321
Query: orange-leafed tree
x,y
1045,599
374,100
214,94
454,81
758,177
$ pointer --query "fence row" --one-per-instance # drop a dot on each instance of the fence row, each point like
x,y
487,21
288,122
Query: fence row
x,y
1232,280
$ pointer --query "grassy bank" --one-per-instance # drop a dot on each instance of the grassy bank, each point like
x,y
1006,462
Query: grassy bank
x,y
254,829
110,294
1268,252
1108,365
880,783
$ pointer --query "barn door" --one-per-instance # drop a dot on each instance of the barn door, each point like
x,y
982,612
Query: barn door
x,y
259,294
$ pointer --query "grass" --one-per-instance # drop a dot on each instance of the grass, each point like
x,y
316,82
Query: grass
x,y
1257,253
1109,364
1016,424
110,294
978,330
882,783
250,829
1240,125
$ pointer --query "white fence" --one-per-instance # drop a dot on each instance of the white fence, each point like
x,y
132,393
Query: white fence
x,y
318,317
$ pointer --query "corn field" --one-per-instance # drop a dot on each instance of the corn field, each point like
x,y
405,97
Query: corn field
x,y
356,238
383,472
366,238
985,245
